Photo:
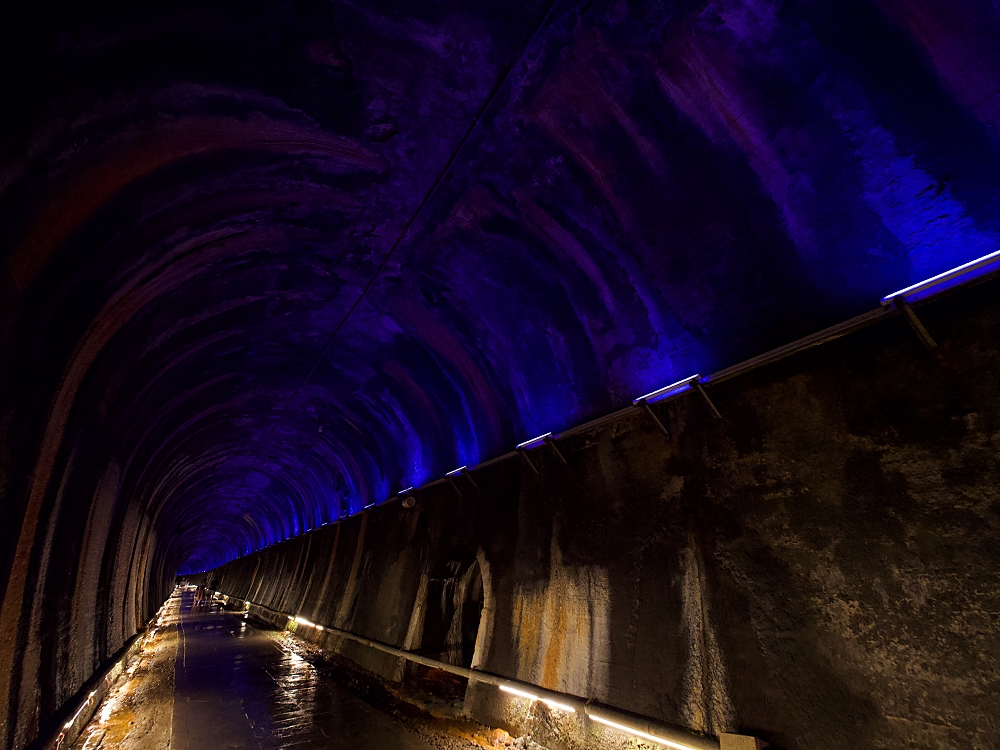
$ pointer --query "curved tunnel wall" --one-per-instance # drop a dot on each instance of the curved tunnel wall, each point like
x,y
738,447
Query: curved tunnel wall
x,y
265,264
817,569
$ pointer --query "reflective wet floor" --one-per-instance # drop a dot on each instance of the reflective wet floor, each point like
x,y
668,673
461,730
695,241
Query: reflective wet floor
x,y
236,687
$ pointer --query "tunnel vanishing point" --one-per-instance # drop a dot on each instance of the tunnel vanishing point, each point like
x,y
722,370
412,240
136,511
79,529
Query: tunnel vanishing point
x,y
644,355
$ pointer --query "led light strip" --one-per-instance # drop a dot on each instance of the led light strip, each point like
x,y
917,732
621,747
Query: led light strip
x,y
304,621
532,697
535,442
681,386
636,733
954,273
598,718
90,699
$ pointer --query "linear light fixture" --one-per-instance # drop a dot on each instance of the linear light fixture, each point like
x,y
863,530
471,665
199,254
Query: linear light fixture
x,y
559,706
90,699
304,621
406,491
456,472
533,697
535,442
636,733
681,386
927,287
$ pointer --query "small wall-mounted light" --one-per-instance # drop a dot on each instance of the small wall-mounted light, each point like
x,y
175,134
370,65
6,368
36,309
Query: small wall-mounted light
x,y
692,383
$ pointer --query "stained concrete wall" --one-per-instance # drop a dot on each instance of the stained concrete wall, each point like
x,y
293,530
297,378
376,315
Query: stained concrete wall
x,y
818,568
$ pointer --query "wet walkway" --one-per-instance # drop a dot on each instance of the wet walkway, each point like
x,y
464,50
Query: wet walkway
x,y
235,687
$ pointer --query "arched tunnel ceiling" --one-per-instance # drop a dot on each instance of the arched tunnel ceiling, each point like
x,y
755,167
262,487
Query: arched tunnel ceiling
x,y
267,263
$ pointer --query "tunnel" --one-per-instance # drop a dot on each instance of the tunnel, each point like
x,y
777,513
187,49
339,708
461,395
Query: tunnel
x,y
577,372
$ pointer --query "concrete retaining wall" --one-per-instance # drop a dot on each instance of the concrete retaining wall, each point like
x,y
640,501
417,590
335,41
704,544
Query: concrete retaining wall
x,y
819,568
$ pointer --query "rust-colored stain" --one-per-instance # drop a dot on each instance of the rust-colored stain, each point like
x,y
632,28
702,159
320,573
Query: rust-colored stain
x,y
561,628
554,648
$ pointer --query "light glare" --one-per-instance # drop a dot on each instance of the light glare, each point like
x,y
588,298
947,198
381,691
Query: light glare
x,y
519,693
304,621
681,386
972,265
643,735
533,697
534,442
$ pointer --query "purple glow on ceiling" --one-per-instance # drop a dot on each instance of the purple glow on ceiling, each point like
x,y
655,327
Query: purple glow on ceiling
x,y
198,203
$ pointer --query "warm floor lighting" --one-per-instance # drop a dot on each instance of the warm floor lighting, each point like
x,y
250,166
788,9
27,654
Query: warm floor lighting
x,y
533,697
643,735
304,621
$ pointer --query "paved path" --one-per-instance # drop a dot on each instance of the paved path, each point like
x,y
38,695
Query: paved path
x,y
235,687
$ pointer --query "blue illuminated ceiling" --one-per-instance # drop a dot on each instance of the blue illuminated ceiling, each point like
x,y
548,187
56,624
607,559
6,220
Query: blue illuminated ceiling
x,y
283,260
